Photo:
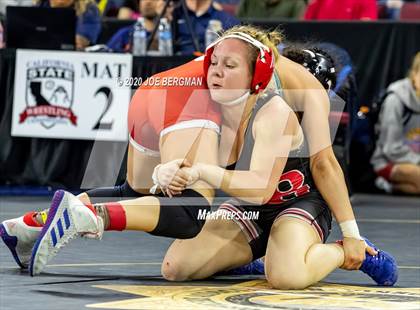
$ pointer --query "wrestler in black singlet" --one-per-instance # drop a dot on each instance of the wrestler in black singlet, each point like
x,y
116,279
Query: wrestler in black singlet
x,y
296,194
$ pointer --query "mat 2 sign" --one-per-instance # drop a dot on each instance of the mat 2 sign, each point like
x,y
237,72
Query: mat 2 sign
x,y
70,95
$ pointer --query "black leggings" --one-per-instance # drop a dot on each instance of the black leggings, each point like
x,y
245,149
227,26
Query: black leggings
x,y
178,217
118,191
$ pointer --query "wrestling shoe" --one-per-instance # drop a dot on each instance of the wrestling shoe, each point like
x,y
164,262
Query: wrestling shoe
x,y
255,267
382,184
67,218
382,267
20,238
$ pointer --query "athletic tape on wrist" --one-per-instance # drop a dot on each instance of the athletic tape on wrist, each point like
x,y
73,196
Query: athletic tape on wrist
x,y
349,229
154,188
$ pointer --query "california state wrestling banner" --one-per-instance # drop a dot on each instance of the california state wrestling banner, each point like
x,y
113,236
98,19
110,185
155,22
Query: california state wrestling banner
x,y
71,95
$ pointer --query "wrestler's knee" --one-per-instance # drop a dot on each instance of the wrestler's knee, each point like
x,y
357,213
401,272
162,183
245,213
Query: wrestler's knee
x,y
287,278
175,269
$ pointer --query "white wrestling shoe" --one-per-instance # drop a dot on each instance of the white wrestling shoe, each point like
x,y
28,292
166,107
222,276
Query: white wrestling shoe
x,y
67,218
383,184
19,238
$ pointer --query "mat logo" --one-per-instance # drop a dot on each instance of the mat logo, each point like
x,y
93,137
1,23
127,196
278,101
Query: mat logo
x,y
59,228
49,93
258,294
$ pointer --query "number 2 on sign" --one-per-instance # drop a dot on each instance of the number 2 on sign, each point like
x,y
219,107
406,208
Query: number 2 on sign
x,y
109,96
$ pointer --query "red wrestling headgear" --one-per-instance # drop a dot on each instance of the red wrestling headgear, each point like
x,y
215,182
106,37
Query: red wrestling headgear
x,y
264,65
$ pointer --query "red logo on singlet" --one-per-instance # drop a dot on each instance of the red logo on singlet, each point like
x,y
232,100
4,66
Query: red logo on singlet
x,y
291,185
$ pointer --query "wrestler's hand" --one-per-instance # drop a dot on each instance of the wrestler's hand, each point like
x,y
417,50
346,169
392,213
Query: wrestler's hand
x,y
354,253
167,171
187,175
170,177
164,173
178,184
192,173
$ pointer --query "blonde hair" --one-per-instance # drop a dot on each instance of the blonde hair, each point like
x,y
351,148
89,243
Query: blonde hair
x,y
270,38
415,66
80,6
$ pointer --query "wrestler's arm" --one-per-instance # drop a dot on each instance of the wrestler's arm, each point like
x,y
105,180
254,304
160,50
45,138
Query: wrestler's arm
x,y
273,129
327,173
305,94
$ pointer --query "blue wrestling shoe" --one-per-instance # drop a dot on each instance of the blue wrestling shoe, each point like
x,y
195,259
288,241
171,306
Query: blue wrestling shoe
x,y
67,218
382,267
255,267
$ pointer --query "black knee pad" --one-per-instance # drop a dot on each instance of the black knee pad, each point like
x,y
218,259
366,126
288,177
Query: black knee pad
x,y
179,216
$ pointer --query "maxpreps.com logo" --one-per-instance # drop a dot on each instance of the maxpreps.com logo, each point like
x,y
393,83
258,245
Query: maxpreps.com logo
x,y
49,93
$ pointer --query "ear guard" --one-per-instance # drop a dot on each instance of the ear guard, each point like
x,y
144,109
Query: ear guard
x,y
264,65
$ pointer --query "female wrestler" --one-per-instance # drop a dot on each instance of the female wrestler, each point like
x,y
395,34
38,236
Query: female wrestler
x,y
105,213
261,151
321,65
20,233
164,123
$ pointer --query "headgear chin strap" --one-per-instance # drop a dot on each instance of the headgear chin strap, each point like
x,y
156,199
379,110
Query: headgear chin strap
x,y
264,65
238,100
